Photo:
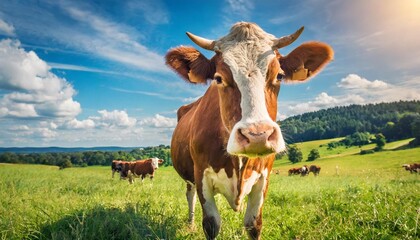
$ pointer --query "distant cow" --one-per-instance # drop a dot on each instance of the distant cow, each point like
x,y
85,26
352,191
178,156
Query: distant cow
x,y
314,169
414,167
116,166
140,168
304,170
294,171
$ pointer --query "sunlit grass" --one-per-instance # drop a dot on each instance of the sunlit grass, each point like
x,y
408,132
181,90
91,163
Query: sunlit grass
x,y
372,197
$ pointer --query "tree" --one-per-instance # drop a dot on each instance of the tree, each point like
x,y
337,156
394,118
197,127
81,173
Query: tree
x,y
313,154
380,141
295,155
66,164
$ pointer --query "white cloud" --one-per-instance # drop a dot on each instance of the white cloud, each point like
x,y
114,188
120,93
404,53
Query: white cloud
x,y
159,121
380,91
322,101
152,10
6,29
113,119
354,81
112,41
31,89
76,124
241,7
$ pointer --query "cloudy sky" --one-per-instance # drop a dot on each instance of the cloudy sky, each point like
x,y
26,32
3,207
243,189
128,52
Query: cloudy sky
x,y
77,73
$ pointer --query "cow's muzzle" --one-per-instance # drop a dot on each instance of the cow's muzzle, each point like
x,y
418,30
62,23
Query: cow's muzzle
x,y
255,139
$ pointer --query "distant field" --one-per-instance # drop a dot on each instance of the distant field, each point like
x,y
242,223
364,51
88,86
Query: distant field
x,y
373,197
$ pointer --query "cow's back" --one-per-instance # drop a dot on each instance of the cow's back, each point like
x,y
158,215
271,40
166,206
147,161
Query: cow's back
x,y
142,167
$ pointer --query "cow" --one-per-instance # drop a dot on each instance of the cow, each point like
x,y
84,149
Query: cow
x,y
314,169
414,167
294,171
225,142
140,169
304,171
116,166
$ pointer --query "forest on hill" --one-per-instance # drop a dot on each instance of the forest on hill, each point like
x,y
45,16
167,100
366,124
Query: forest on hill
x,y
87,158
396,120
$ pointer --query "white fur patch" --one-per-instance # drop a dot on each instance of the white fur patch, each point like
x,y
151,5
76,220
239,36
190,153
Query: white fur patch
x,y
220,183
256,198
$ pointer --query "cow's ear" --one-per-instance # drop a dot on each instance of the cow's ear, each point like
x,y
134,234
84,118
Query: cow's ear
x,y
306,61
190,64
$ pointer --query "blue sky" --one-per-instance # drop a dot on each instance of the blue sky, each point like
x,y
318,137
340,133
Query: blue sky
x,y
92,73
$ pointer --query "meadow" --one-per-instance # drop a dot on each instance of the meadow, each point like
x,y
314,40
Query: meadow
x,y
370,197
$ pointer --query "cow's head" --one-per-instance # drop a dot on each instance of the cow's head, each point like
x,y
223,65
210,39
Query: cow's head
x,y
247,69
155,162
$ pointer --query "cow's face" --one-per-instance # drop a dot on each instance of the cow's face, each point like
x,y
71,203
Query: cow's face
x,y
155,163
246,70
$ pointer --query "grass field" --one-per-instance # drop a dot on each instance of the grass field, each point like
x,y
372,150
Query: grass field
x,y
373,197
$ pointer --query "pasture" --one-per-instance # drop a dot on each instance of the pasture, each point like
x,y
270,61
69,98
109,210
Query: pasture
x,y
373,197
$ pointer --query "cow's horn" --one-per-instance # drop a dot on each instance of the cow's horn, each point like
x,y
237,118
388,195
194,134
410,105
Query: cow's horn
x,y
202,42
286,40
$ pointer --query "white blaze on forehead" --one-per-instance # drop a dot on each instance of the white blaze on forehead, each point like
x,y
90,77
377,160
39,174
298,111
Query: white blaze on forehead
x,y
247,50
155,163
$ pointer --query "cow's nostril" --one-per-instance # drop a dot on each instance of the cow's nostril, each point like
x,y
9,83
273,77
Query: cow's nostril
x,y
273,136
242,137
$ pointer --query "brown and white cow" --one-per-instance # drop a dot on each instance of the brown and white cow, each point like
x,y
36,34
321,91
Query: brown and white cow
x,y
304,170
414,167
226,141
140,169
294,171
314,169
116,166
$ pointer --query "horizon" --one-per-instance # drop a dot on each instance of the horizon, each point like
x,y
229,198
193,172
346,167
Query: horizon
x,y
78,74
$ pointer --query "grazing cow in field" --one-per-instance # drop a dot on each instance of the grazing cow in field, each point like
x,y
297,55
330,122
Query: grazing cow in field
x,y
294,171
140,169
116,166
314,169
414,167
226,141
304,171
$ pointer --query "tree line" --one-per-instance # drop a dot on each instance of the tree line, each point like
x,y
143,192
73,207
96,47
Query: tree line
x,y
396,120
88,158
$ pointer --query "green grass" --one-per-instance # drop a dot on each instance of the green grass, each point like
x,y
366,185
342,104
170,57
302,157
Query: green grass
x,y
373,197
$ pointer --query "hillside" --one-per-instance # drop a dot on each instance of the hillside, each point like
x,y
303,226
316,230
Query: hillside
x,y
395,120
393,155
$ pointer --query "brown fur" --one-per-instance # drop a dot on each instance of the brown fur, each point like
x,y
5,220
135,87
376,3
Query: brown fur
x,y
311,55
314,169
414,167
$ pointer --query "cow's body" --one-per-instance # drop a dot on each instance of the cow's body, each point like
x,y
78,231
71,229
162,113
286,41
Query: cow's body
x,y
414,167
304,171
226,141
116,166
294,171
315,169
140,168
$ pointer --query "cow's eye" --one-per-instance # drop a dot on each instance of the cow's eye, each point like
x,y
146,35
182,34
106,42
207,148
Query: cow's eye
x,y
280,77
218,79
